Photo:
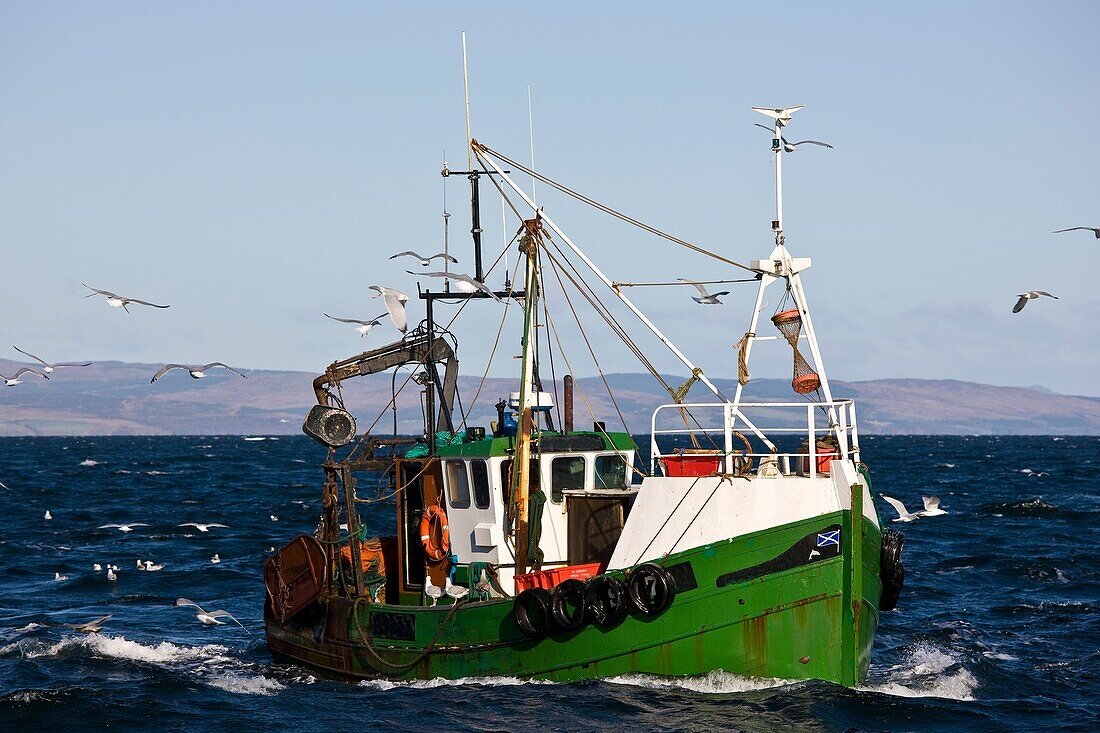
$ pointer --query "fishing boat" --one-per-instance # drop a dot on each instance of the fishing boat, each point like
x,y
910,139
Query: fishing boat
x,y
741,536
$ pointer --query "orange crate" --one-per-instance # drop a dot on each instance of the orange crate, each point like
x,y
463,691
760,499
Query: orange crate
x,y
691,463
549,578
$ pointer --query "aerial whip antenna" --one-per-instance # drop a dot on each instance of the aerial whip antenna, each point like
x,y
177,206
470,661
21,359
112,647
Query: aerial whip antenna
x,y
781,115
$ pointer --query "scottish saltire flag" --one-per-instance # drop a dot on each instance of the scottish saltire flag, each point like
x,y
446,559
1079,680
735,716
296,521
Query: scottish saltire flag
x,y
824,539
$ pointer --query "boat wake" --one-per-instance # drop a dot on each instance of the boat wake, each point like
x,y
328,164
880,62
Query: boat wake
x,y
927,672
384,685
209,663
718,682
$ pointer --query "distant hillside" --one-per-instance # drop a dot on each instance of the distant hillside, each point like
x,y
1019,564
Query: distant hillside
x,y
115,398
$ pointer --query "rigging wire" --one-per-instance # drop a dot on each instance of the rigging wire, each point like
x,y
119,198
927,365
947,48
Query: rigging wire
x,y
479,147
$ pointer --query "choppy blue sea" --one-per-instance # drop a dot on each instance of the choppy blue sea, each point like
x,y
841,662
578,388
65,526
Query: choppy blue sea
x,y
998,627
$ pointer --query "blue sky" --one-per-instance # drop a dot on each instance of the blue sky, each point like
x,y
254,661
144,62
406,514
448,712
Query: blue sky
x,y
254,164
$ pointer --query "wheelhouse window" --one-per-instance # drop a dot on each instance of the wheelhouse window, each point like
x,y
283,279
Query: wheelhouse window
x,y
458,485
480,472
611,471
566,472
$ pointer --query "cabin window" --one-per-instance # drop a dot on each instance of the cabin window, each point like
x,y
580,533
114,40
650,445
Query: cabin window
x,y
566,472
480,473
458,485
611,471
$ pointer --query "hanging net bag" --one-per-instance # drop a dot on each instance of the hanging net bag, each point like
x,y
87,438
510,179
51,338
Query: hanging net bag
x,y
789,323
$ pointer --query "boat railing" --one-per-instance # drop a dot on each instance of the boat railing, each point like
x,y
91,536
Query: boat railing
x,y
828,431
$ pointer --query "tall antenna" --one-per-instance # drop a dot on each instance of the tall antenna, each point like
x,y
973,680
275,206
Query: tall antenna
x,y
446,229
531,133
504,237
466,87
781,115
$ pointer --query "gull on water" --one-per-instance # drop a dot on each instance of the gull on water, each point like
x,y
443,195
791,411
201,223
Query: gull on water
x,y
704,298
204,527
14,380
97,568
208,619
364,326
1030,295
463,283
59,577
196,372
395,303
150,567
274,518
1094,230
48,516
91,627
215,560
119,301
47,366
424,261
111,577
123,527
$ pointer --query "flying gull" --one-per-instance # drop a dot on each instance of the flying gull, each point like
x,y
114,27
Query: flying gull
x,y
196,372
119,301
91,627
395,304
931,507
1094,230
364,326
1030,295
464,283
705,297
208,619
203,527
48,367
904,515
12,381
123,527
425,260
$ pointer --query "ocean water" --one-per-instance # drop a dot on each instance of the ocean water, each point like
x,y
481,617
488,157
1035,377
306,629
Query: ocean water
x,y
998,627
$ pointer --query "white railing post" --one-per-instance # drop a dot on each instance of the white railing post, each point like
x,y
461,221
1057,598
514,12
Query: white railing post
x,y
812,442
842,415
855,432
727,419
653,442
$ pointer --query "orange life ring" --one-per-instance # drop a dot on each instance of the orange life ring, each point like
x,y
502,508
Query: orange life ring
x,y
434,515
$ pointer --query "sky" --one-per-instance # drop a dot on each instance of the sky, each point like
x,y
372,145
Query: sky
x,y
254,164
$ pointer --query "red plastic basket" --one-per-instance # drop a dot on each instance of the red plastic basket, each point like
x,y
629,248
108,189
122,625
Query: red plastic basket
x,y
549,578
691,464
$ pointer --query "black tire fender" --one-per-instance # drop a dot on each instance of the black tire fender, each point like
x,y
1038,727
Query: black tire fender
x,y
569,594
532,611
607,601
652,589
891,569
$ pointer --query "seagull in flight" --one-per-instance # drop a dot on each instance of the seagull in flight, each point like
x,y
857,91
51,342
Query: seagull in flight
x,y
364,326
1094,230
704,297
789,147
395,304
12,381
1030,295
196,372
48,367
119,301
204,527
208,619
91,627
464,283
931,507
424,261
904,515
123,527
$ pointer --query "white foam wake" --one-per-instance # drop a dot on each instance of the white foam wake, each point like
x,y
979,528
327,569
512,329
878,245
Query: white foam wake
x,y
927,672
210,663
717,682
441,682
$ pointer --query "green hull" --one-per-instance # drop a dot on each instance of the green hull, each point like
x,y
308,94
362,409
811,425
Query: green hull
x,y
763,604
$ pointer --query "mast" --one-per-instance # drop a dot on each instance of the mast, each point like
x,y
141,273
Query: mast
x,y
521,466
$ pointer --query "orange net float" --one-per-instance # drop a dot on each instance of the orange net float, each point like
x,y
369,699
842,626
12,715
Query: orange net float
x,y
789,323
435,534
